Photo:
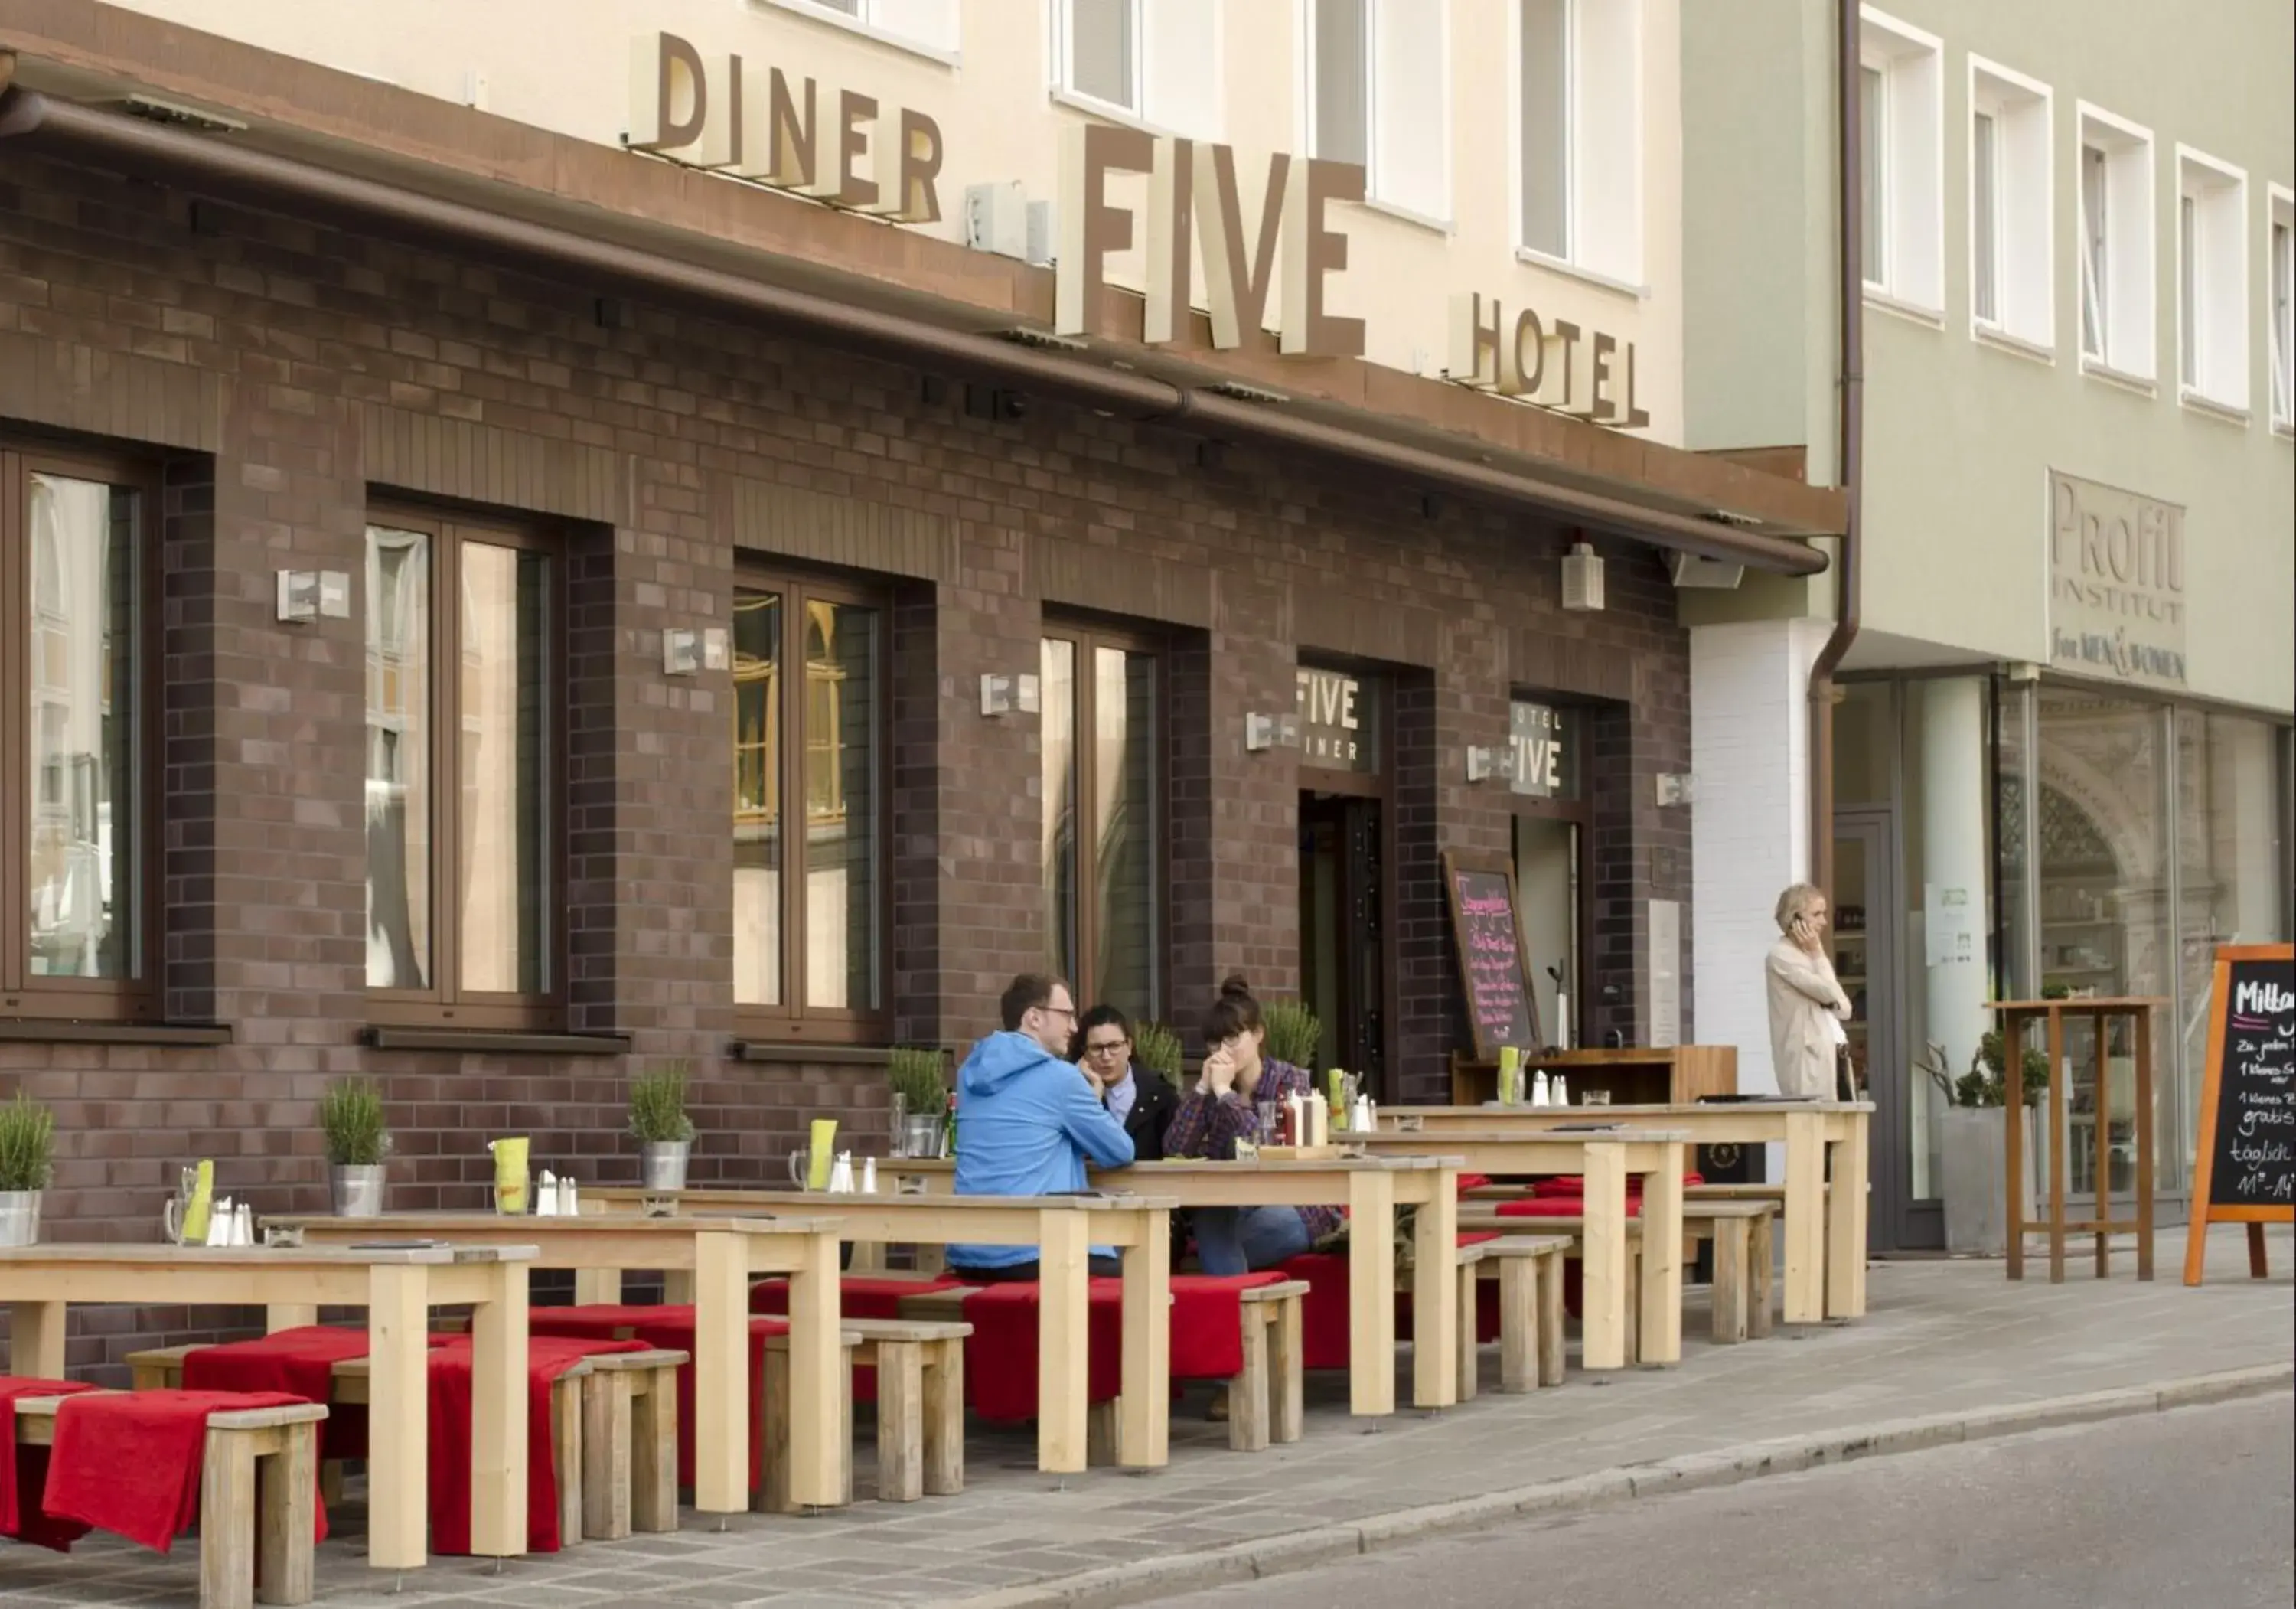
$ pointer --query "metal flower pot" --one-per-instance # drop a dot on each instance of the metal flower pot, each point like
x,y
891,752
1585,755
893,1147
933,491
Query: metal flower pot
x,y
355,1191
662,1164
20,1218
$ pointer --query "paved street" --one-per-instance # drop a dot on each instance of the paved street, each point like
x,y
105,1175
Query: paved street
x,y
2194,1508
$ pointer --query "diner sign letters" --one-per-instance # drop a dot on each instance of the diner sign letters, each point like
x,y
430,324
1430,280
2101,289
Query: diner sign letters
x,y
2245,1164
2115,583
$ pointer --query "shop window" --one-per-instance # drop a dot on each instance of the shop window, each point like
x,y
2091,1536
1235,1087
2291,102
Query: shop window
x,y
2116,244
465,665
2009,205
75,889
2212,349
1379,98
1157,62
1551,829
1578,133
925,25
809,896
1900,121
1103,828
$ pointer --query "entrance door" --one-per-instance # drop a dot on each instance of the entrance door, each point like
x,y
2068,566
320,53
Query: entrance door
x,y
1868,915
1341,936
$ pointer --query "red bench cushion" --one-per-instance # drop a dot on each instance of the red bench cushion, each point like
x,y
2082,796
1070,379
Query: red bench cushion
x,y
24,1470
670,1327
859,1295
130,1462
1000,1374
300,1361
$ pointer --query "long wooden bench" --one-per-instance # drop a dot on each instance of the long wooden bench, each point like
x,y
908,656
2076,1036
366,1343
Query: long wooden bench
x,y
1742,1233
258,1488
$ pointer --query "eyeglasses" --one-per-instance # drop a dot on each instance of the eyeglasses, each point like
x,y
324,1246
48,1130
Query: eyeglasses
x,y
1111,1048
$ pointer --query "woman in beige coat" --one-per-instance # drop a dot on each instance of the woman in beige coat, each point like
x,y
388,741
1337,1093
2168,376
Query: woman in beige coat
x,y
1807,1005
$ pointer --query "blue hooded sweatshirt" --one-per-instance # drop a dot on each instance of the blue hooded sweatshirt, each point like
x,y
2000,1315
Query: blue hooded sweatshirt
x,y
1026,1120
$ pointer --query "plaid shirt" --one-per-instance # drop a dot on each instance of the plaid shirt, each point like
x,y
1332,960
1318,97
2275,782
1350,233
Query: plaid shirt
x,y
1208,1126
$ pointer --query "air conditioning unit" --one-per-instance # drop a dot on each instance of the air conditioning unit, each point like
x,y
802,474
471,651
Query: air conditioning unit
x,y
1582,577
1690,571
996,218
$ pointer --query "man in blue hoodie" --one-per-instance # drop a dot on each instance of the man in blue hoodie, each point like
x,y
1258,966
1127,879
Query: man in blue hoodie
x,y
1027,1118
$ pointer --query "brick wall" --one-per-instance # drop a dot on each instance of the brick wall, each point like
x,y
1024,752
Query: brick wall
x,y
286,372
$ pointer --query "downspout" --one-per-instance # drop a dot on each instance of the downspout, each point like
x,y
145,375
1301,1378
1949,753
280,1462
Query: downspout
x,y
891,337
1849,471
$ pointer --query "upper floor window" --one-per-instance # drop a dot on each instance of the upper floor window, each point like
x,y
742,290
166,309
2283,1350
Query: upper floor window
x,y
926,25
465,661
1578,127
2115,176
1155,60
1899,137
1379,96
76,704
2280,292
1104,821
2212,349
2009,210
810,891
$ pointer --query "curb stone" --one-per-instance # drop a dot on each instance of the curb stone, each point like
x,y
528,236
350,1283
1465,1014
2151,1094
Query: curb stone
x,y
1147,1579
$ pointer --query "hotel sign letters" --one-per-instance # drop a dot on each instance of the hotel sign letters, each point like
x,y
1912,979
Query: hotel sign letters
x,y
2115,583
754,121
1586,374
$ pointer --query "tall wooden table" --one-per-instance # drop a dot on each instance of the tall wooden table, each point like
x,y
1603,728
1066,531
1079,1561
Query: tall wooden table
x,y
719,1255
398,1287
1605,1159
1063,1229
2016,1017
1824,1231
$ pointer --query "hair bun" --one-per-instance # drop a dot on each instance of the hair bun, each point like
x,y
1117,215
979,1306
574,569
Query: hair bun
x,y
1233,988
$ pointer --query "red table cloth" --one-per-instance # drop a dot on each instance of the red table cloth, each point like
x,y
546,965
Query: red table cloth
x,y
1574,1184
858,1295
301,1362
1000,1374
24,1470
130,1462
671,1327
548,1358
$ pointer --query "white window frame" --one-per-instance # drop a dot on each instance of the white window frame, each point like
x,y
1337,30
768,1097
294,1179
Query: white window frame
x,y
2129,313
2024,316
863,22
2220,364
1059,70
2280,308
1618,268
1304,34
1912,276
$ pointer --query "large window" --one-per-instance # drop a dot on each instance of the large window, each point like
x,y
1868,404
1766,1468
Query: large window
x,y
1579,128
465,668
2212,348
1155,60
1901,121
75,701
809,891
1103,817
1379,97
2009,205
2115,174
926,25
2281,294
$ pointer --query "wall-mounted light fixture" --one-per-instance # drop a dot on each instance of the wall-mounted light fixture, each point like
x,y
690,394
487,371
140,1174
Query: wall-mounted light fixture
x,y
306,594
688,652
1677,788
1488,762
1582,577
1264,732
1009,694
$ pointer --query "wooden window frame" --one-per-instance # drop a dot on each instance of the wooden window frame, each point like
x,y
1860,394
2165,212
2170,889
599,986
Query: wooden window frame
x,y
1084,637
795,1020
140,998
445,1002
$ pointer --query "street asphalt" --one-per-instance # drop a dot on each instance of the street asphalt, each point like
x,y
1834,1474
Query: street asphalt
x,y
2194,1508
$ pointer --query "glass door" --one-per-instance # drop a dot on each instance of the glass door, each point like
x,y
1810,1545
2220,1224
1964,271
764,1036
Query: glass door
x,y
1866,920
1342,976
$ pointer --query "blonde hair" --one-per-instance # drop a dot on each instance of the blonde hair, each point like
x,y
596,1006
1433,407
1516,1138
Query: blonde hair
x,y
1794,904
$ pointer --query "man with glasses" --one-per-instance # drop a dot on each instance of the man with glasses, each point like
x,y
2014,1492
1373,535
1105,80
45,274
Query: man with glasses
x,y
1143,1105
1027,1120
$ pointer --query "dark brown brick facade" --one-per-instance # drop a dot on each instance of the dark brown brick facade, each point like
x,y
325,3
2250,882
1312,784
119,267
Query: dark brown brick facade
x,y
289,372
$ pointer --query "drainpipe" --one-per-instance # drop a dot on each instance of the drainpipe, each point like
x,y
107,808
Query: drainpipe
x,y
1849,471
219,166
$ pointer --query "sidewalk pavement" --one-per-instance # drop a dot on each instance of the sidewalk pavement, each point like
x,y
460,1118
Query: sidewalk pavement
x,y
1951,1346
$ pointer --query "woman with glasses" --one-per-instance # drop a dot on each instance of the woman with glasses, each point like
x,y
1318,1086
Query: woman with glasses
x,y
1135,1098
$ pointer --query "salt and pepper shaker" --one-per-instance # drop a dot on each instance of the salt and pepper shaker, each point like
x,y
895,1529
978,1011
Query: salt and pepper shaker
x,y
545,1200
1557,1095
868,1176
569,1201
1539,1094
841,1175
242,1224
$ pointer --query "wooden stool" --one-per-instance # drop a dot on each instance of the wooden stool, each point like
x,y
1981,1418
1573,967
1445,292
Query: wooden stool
x,y
920,1368
629,1444
1265,1402
1529,1270
258,1484
773,1493
1470,1369
1740,1295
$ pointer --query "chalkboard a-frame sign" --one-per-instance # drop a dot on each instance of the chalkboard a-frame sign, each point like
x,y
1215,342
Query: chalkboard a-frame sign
x,y
2246,1166
1497,985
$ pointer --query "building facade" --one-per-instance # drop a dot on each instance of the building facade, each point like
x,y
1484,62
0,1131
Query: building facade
x,y
497,607
2062,755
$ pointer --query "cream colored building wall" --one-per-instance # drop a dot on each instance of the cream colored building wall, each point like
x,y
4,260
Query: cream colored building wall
x,y
563,65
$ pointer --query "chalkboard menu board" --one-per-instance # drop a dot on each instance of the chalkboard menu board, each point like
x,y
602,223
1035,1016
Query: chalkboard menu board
x,y
2246,1170
1500,1010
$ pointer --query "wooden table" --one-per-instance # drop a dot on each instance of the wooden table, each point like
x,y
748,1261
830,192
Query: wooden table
x,y
1824,1231
719,1255
2016,1017
1370,1189
1604,1158
1063,1229
397,1287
